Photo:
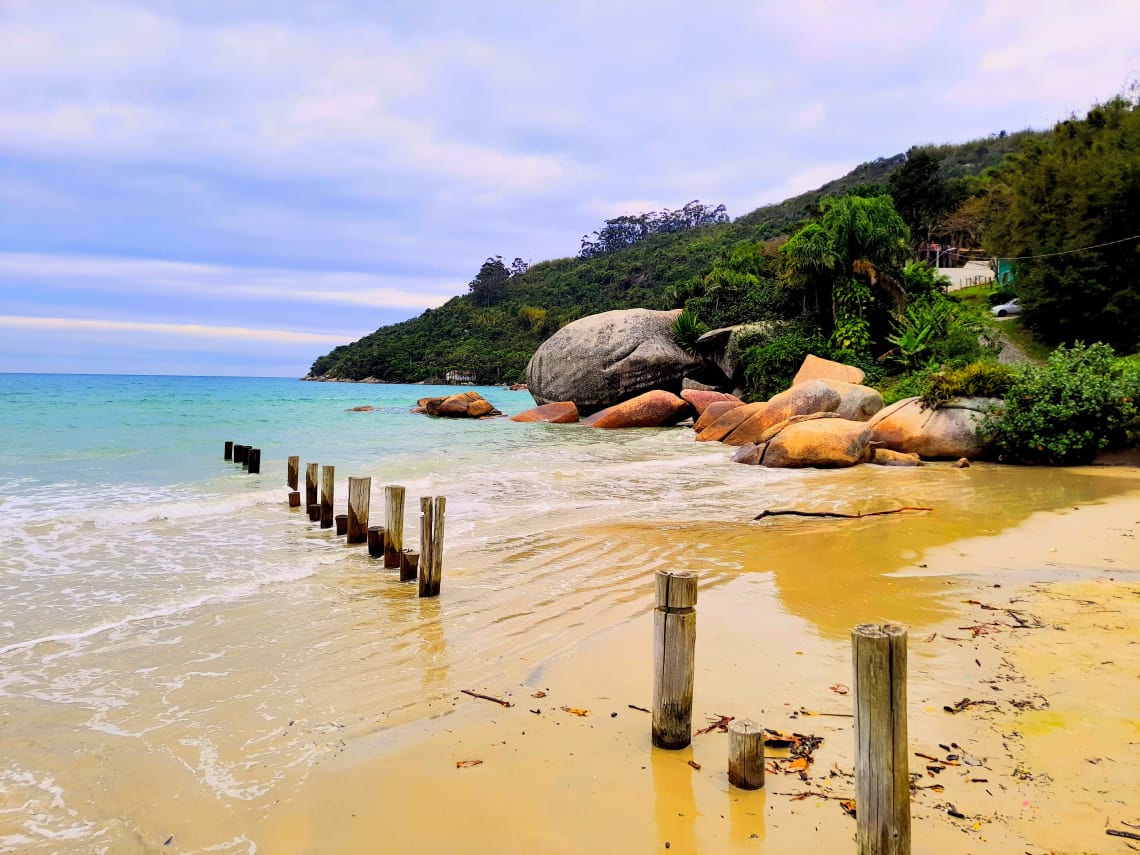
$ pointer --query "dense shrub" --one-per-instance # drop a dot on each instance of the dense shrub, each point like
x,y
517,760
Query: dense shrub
x,y
769,368
976,380
1081,401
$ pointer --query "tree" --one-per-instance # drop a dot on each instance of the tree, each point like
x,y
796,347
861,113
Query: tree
x,y
849,264
921,196
1066,211
489,285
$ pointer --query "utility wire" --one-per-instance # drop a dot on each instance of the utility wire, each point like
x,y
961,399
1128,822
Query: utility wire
x,y
1065,252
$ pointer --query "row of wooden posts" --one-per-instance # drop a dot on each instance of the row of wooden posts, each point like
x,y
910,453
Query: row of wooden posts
x,y
248,456
882,775
384,541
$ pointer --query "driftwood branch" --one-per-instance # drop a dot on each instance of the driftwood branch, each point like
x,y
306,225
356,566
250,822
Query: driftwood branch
x,y
499,701
833,514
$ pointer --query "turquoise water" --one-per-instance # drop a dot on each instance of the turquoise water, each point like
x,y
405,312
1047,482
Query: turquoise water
x,y
178,648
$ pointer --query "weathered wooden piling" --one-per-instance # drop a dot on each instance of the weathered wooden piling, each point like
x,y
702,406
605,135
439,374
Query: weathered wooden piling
x,y
376,536
229,452
431,545
239,453
253,461
341,521
882,774
359,497
393,524
327,484
674,657
291,470
745,754
314,512
409,565
294,499
310,484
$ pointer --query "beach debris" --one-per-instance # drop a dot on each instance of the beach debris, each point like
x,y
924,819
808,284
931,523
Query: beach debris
x,y
805,711
1116,832
839,689
695,765
720,723
636,707
954,812
500,701
539,694
168,840
833,514
576,711
465,764
965,704
848,806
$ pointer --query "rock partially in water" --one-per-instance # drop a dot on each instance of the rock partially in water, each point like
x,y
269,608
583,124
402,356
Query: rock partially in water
x,y
558,413
750,454
470,405
364,409
713,412
727,423
653,409
701,398
886,457
856,402
825,443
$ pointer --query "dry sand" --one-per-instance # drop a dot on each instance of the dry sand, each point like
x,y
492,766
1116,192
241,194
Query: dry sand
x,y
1052,640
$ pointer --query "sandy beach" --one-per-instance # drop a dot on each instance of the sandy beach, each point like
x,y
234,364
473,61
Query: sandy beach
x,y
1038,621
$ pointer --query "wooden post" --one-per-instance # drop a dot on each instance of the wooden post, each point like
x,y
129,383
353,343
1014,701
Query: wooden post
x,y
245,450
294,499
437,544
229,450
674,657
239,453
425,546
341,521
291,470
253,460
359,497
409,565
327,484
882,775
745,754
393,525
376,541
310,484
314,512
431,544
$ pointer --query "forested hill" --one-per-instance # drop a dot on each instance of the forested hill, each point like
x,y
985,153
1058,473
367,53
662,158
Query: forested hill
x,y
660,260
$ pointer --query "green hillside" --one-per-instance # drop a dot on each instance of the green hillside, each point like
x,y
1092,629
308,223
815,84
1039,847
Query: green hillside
x,y
724,272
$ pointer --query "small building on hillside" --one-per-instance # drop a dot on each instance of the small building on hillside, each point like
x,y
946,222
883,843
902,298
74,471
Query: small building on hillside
x,y
459,378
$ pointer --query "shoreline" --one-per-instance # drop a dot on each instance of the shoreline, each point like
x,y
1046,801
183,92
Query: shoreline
x,y
556,782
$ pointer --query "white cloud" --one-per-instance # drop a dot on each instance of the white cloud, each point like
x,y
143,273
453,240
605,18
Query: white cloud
x,y
194,331
213,281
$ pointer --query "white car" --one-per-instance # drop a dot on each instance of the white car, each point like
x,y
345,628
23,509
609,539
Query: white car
x,y
1010,308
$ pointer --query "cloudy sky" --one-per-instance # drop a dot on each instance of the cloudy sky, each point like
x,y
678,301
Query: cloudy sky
x,y
236,187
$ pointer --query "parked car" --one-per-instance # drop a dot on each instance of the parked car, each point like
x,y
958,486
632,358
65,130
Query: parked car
x,y
1010,308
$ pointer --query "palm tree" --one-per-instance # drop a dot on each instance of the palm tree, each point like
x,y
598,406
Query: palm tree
x,y
858,248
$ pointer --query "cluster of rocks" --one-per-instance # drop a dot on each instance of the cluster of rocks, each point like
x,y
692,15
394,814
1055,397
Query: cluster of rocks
x,y
622,369
466,405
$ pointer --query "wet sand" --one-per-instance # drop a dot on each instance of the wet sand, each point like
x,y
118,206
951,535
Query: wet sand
x,y
1038,613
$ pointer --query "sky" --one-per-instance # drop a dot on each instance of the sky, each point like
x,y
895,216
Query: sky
x,y
236,188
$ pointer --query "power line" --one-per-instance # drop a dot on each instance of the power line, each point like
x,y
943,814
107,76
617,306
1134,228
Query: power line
x,y
1065,252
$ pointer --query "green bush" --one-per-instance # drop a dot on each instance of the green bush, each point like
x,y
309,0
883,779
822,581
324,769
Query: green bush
x,y
976,380
687,328
1081,401
769,368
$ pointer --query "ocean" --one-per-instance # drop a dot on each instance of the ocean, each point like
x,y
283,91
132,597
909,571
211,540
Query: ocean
x,y
179,649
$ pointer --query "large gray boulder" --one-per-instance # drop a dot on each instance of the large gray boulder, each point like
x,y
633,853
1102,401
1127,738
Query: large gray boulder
x,y
721,347
603,359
